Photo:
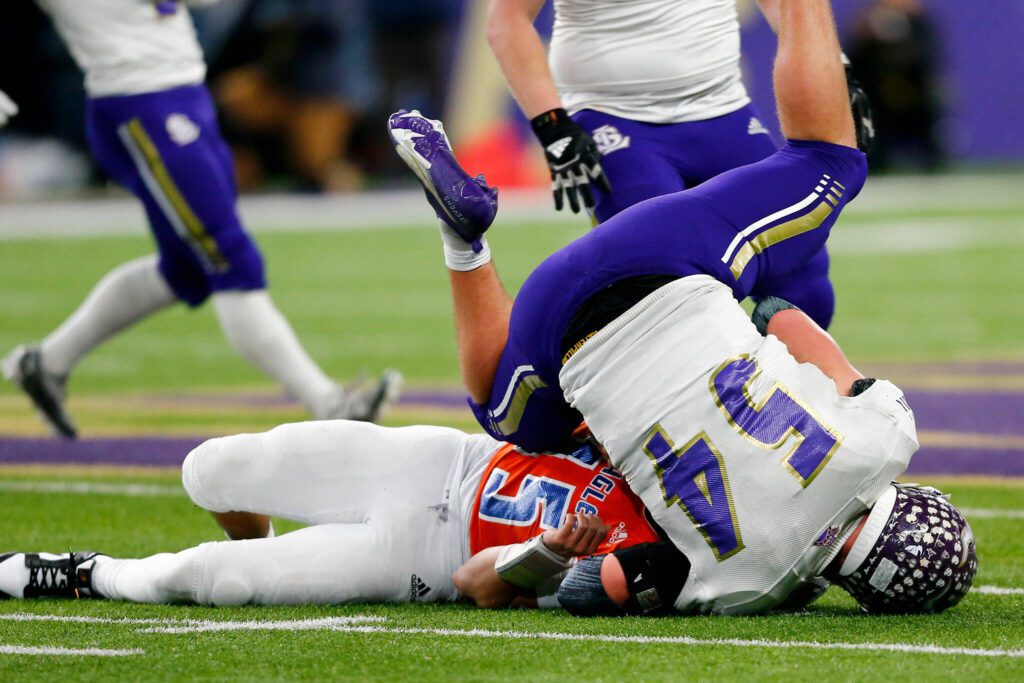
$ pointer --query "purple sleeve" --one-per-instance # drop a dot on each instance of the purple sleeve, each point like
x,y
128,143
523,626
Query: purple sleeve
x,y
525,408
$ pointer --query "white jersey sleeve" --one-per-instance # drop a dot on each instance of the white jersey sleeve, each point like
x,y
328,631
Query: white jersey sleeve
x,y
752,463
127,47
660,61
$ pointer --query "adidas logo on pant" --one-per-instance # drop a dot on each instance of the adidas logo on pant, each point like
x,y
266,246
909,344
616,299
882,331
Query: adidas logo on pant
x,y
418,588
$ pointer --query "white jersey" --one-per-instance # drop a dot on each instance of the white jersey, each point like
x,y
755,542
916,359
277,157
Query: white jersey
x,y
659,61
752,463
126,47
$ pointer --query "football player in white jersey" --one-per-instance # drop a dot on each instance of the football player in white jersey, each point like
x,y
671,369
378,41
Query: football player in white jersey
x,y
644,98
421,514
152,127
759,456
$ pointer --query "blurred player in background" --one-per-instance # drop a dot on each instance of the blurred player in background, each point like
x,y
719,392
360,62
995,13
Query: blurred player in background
x,y
394,514
755,445
152,127
640,99
8,109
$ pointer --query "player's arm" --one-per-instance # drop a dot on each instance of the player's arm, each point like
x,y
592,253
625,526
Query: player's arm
x,y
806,341
8,109
510,575
860,105
521,55
569,150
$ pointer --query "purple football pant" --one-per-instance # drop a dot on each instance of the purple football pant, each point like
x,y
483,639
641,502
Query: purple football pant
x,y
746,227
166,149
645,160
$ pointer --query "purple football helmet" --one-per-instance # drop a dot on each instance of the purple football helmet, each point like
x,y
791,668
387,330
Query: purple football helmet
x,y
915,553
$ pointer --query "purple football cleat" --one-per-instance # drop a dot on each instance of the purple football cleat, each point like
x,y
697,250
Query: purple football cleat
x,y
465,203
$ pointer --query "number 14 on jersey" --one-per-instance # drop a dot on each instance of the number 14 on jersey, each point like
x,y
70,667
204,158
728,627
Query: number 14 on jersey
x,y
694,475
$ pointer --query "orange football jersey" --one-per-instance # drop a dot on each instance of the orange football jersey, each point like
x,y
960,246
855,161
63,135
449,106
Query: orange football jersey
x,y
524,494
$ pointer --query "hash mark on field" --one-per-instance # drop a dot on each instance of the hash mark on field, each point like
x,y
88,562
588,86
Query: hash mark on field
x,y
143,490
66,651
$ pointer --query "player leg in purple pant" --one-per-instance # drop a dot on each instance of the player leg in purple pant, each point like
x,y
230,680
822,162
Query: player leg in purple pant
x,y
165,148
645,160
746,227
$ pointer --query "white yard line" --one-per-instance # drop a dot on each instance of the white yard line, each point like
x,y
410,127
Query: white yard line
x,y
321,624
203,625
66,651
997,590
687,640
358,624
70,619
991,513
97,488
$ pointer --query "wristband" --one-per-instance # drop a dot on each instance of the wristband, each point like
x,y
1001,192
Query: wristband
x,y
861,385
549,121
529,564
765,309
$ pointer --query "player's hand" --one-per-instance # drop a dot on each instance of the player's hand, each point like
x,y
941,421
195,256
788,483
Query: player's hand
x,y
8,108
860,107
579,536
572,157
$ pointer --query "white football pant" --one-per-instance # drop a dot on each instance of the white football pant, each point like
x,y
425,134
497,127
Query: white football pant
x,y
390,509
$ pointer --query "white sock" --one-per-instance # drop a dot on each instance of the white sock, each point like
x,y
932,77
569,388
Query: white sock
x,y
125,295
167,577
461,255
257,330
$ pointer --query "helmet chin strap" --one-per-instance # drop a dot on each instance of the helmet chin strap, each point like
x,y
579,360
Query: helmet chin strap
x,y
832,570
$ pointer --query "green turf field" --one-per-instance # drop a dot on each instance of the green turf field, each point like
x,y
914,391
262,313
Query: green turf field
x,y
373,299
981,639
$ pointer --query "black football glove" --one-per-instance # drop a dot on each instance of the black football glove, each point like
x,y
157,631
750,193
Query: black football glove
x,y
572,157
860,106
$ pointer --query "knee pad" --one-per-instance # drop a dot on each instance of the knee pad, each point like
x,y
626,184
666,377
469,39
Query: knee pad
x,y
217,580
214,465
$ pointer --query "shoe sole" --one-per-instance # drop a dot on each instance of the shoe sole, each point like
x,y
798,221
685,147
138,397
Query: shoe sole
x,y
48,407
420,167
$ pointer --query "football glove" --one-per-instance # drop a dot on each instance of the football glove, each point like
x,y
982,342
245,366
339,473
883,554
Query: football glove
x,y
860,106
8,108
572,157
